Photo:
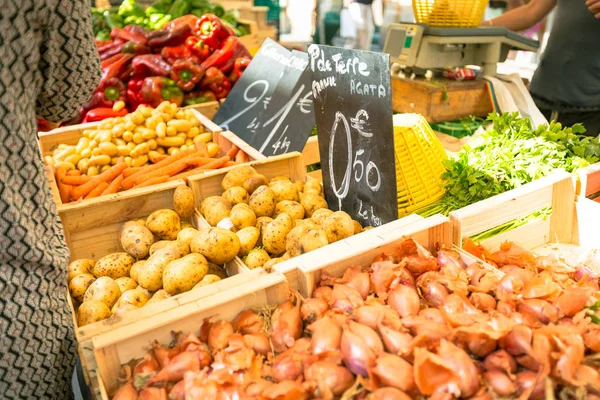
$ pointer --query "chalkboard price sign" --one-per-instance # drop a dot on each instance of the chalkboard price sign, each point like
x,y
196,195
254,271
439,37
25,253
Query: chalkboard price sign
x,y
353,111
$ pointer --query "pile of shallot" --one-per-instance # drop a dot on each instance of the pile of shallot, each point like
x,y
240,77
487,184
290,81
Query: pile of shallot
x,y
412,326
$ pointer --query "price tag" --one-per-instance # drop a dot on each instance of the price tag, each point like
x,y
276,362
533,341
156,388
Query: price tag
x,y
353,110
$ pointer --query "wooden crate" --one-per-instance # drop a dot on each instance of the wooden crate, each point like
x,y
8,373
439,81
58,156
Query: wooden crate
x,y
257,35
588,183
442,99
312,156
563,226
119,346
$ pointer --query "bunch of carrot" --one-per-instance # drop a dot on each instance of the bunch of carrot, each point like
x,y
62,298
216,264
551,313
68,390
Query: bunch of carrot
x,y
73,186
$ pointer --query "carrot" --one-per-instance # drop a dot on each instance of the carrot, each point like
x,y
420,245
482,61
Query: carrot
x,y
97,191
160,158
127,172
186,174
216,164
230,164
75,180
232,151
153,181
201,148
74,172
63,189
198,161
171,169
241,157
114,186
107,176
131,180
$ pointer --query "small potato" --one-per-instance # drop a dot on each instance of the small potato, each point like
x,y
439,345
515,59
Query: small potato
x,y
80,267
91,311
261,222
268,266
309,223
214,209
292,240
214,269
357,227
161,244
145,291
79,285
312,203
338,226
313,185
115,265
292,208
237,177
284,190
254,182
134,297
183,274
320,215
185,224
104,289
186,235
158,296
135,269
165,224
236,195
218,245
257,258
280,178
242,216
207,280
151,276
120,309
126,283
183,201
275,232
136,240
262,202
313,240
248,237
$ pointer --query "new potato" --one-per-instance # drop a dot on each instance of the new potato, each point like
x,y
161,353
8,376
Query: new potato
x,y
214,269
165,224
236,195
136,240
183,201
183,274
135,269
218,245
284,190
79,285
312,202
80,267
115,265
151,276
242,216
338,226
248,237
314,239
186,235
104,289
207,280
214,209
254,182
91,311
237,177
275,232
262,202
158,296
320,215
292,208
126,283
257,258
134,297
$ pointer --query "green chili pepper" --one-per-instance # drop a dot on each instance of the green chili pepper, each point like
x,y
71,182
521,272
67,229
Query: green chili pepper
x,y
179,8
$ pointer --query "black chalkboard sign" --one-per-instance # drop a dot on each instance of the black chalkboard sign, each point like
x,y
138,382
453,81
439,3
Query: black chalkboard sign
x,y
353,110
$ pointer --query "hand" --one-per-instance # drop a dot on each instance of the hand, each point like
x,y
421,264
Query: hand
x,y
594,7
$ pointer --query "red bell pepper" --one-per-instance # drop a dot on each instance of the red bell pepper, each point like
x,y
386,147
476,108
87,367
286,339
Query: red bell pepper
x,y
135,48
134,93
198,97
110,91
173,53
109,50
239,67
212,31
131,33
157,89
117,68
150,65
198,48
186,74
215,81
224,58
173,33
100,113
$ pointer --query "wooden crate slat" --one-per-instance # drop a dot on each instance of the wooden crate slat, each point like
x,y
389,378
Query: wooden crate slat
x,y
530,236
586,223
311,151
589,180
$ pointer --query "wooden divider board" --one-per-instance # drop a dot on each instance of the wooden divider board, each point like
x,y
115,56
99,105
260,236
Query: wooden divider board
x,y
312,156
589,180
114,348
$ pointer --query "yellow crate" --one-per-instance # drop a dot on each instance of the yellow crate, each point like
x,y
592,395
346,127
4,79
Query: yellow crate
x,y
450,13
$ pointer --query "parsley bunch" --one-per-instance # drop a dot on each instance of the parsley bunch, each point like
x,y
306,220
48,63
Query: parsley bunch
x,y
509,155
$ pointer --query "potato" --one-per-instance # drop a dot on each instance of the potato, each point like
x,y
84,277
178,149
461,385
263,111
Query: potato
x,y
186,235
262,202
261,222
254,182
79,285
214,269
161,244
183,274
207,280
136,240
306,222
320,215
313,186
237,176
80,267
134,297
292,208
275,233
248,237
214,209
140,221
135,269
242,216
218,245
104,289
119,309
91,311
185,224
367,228
165,224
280,178
158,296
312,203
299,186
183,201
357,227
236,195
115,265
338,226
126,283
268,266
151,276
145,291
292,240
284,190
257,258
314,239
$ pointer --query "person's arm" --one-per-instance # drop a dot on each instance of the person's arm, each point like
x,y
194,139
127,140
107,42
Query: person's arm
x,y
69,61
523,17
594,7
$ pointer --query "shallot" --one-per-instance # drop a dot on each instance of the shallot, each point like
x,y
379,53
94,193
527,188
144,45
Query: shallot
x,y
393,371
313,309
404,300
329,376
286,326
218,335
357,355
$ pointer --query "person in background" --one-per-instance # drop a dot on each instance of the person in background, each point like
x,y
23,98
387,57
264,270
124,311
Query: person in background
x,y
364,13
49,70
566,85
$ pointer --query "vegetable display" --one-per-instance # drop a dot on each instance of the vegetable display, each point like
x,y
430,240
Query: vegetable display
x,y
142,148
160,258
411,326
509,155
275,219
189,60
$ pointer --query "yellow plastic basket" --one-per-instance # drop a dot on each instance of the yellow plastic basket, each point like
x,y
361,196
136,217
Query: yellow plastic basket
x,y
419,163
450,13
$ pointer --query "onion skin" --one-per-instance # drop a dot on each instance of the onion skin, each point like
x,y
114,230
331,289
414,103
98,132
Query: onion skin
x,y
248,322
368,335
357,355
463,366
526,380
431,371
371,314
286,326
500,360
218,335
286,390
146,365
483,301
433,292
404,300
126,392
152,393
592,338
518,341
345,299
323,292
259,342
257,387
395,342
177,367
432,314
381,277
177,392
313,309
335,378
539,310
499,382
326,336
388,394
163,354
355,278
393,371
287,366
572,301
